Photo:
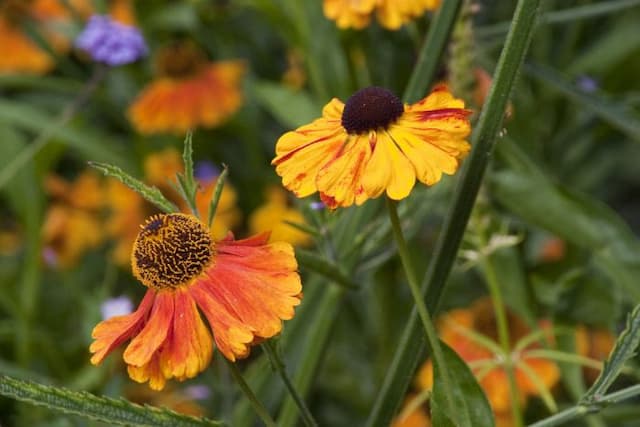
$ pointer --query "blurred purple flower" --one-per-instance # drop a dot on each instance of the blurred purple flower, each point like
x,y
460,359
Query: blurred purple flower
x,y
206,171
117,306
587,84
316,206
111,42
198,392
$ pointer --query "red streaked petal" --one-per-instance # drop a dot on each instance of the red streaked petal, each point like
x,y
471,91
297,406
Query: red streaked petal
x,y
154,333
112,332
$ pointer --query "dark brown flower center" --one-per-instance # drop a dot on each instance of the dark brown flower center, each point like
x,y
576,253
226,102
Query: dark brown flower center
x,y
14,11
370,109
180,60
170,250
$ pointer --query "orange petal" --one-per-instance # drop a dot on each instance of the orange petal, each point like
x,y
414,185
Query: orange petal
x,y
154,333
547,371
112,332
150,371
188,347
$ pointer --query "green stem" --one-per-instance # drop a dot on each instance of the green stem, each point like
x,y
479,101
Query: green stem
x,y
411,346
502,324
432,50
278,365
257,405
432,335
582,410
43,138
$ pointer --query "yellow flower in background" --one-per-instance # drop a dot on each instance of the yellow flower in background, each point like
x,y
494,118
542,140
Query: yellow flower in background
x,y
20,54
244,288
374,144
273,216
189,92
391,14
73,222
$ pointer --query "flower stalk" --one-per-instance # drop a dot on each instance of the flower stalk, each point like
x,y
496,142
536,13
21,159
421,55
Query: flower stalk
x,y
255,402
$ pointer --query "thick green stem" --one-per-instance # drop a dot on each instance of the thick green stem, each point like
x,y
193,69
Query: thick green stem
x,y
411,346
502,324
432,335
257,405
278,365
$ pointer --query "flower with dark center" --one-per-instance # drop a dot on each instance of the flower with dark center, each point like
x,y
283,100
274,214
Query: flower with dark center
x,y
372,145
244,289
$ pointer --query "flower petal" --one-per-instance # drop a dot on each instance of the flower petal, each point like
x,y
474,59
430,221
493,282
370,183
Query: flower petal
x,y
150,371
154,333
112,332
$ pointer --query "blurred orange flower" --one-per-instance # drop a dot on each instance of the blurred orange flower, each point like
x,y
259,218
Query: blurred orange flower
x,y
392,14
189,92
457,328
244,288
374,144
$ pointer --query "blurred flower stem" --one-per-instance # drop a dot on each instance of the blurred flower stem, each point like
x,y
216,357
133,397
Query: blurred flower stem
x,y
99,73
502,325
410,349
432,336
278,365
257,405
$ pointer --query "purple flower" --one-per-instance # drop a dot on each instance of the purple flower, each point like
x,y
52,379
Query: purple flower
x,y
118,306
198,392
111,42
587,84
206,171
317,206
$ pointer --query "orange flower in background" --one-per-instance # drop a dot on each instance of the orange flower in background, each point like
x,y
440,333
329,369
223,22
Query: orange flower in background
x,y
244,288
486,365
412,415
374,144
595,344
273,216
392,14
188,93
73,223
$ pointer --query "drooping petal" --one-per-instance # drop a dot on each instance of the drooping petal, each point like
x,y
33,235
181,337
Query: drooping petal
x,y
247,292
150,371
154,333
110,333
188,347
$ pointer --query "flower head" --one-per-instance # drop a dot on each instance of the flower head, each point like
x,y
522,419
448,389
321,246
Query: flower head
x,y
374,144
111,42
189,92
392,14
244,288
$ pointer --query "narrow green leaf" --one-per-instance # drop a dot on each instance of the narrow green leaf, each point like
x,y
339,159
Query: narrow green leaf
x,y
152,194
105,409
619,118
623,350
323,267
468,397
217,192
187,159
291,108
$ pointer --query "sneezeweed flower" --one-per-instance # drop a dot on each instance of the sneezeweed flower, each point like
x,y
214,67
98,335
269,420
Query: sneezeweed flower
x,y
594,343
20,54
374,144
274,215
72,223
110,42
244,288
457,327
189,92
412,414
391,14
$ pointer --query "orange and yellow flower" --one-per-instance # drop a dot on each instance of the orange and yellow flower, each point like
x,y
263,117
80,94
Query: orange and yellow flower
x,y
455,328
73,221
374,144
274,215
244,288
188,93
392,14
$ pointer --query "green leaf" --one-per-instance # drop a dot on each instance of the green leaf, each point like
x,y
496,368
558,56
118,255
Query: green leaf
x,y
217,192
467,395
623,350
291,108
325,268
152,194
105,409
